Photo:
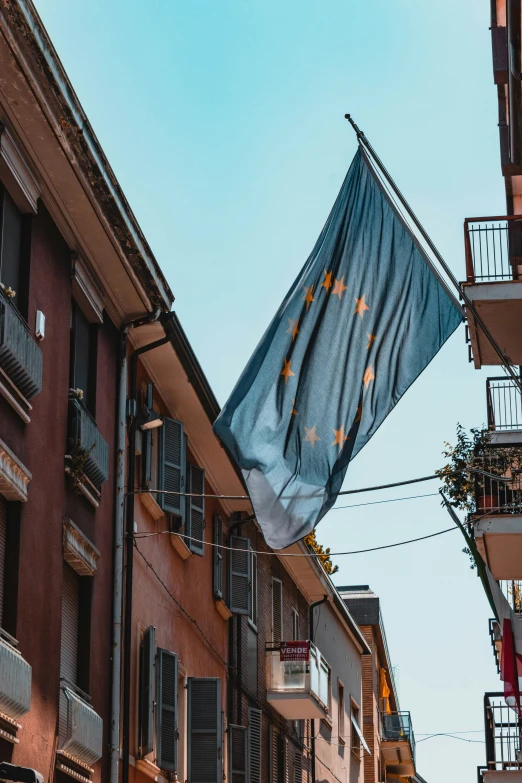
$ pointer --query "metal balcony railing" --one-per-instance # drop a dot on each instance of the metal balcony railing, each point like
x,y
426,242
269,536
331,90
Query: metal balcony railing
x,y
495,635
311,677
503,731
504,403
15,682
502,495
84,437
493,248
20,355
80,728
397,727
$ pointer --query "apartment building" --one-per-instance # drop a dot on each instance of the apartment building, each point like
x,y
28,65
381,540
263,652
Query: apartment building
x,y
493,255
388,730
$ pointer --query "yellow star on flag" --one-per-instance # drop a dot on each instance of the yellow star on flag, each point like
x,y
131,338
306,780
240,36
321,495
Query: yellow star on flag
x,y
340,437
327,282
287,372
308,298
339,287
361,306
311,435
368,376
371,340
292,329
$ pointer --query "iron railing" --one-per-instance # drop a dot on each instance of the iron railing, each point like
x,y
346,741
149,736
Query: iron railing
x,y
15,682
512,589
20,355
397,727
503,732
80,728
495,636
86,440
504,403
500,490
493,248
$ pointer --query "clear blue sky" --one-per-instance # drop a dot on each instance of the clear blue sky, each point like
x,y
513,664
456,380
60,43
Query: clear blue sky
x,y
223,120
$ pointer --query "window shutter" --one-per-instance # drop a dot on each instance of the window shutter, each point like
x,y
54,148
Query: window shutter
x,y
204,730
237,754
147,443
239,575
277,610
172,467
147,651
217,556
255,725
275,756
253,599
3,536
166,710
195,518
70,625
298,766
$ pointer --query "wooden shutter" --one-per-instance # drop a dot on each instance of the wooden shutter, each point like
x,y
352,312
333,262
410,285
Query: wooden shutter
x,y
255,725
147,443
298,766
172,467
166,710
239,575
195,517
204,730
237,754
70,625
277,610
147,651
217,556
253,589
275,756
3,537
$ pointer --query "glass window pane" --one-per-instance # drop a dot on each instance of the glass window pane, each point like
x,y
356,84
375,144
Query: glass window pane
x,y
11,244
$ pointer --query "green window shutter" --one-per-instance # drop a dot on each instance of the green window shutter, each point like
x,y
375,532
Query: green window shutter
x,y
237,754
255,725
172,468
166,710
147,444
146,712
204,730
253,589
276,757
195,516
217,556
239,575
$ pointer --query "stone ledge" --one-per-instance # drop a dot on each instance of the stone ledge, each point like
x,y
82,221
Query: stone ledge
x,y
14,476
78,551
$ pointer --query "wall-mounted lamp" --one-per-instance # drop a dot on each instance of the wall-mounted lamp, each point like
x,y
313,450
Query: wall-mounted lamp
x,y
149,419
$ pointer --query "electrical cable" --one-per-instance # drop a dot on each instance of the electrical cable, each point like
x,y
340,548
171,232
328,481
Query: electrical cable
x,y
388,500
474,471
187,615
451,736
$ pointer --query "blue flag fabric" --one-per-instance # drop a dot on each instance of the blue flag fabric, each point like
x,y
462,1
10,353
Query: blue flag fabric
x,y
365,316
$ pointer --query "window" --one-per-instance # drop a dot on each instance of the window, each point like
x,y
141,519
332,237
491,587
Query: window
x,y
12,250
340,712
357,737
277,773
253,589
204,749
166,710
295,625
255,725
237,754
252,660
172,469
83,358
277,610
195,510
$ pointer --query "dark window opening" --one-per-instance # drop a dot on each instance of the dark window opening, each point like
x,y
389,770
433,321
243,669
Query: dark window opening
x,y
14,250
83,358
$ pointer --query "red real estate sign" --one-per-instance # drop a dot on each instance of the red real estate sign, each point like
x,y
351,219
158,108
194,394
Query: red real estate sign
x,y
294,651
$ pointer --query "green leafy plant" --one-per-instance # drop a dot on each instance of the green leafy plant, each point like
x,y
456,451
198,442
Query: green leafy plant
x,y
468,452
324,554
77,466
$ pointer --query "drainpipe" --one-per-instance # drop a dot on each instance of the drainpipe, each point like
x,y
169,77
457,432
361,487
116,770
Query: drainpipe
x,y
312,738
129,543
117,590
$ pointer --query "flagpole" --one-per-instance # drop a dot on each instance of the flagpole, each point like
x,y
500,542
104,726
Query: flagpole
x,y
361,138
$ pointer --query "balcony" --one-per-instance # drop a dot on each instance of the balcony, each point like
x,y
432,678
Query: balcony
x,y
398,743
80,729
20,354
298,689
497,530
504,404
89,451
15,683
502,741
494,284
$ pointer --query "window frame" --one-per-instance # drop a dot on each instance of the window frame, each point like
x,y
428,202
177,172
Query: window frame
x,y
341,713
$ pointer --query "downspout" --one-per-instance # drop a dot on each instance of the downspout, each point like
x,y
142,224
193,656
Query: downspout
x,y
312,738
117,589
129,543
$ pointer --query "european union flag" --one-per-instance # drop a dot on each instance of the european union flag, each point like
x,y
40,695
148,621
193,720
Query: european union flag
x,y
365,316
